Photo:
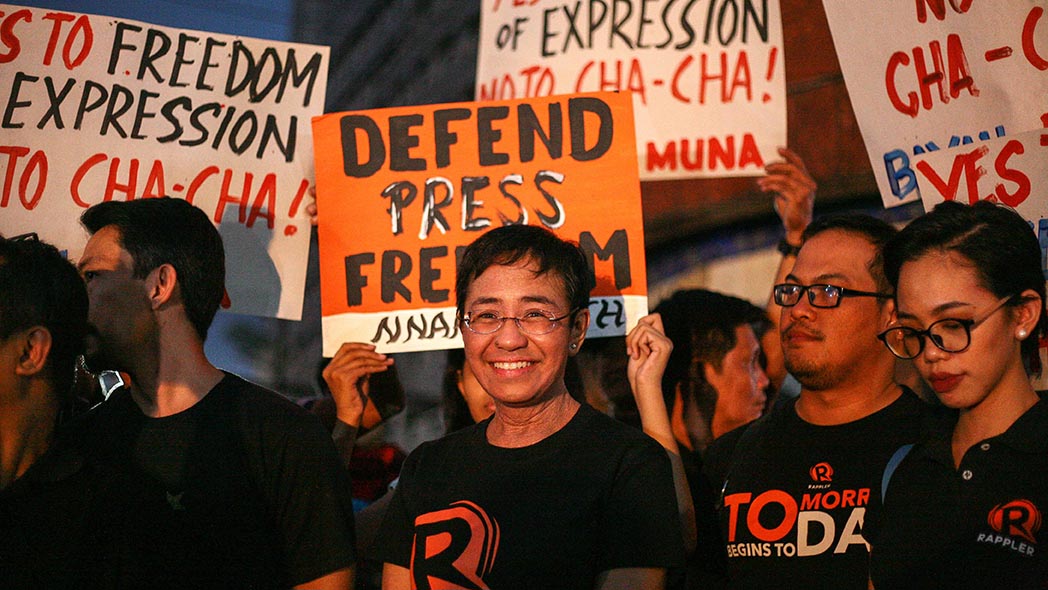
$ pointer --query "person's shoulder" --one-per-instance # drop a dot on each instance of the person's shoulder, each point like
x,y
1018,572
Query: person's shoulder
x,y
589,417
602,428
930,416
719,455
434,455
262,412
100,419
254,398
454,442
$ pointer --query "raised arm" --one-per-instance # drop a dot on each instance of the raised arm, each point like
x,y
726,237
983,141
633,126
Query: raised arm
x,y
649,351
347,377
794,201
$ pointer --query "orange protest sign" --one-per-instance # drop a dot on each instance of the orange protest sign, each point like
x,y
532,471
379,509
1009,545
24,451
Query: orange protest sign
x,y
402,190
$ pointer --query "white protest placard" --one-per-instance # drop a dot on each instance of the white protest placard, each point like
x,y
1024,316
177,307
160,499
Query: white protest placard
x,y
708,78
94,108
1011,170
932,74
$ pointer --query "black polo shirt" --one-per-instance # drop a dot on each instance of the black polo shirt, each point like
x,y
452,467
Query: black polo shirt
x,y
977,526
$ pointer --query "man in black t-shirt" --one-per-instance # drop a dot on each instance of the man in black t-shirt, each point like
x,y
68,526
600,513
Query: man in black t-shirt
x,y
795,485
238,487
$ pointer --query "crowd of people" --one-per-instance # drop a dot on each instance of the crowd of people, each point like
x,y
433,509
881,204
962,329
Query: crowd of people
x,y
777,447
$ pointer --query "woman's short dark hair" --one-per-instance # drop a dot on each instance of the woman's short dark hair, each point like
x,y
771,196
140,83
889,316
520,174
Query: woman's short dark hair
x,y
170,231
511,244
1000,245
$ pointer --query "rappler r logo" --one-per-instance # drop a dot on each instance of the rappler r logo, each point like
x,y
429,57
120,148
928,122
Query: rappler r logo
x,y
821,472
1018,518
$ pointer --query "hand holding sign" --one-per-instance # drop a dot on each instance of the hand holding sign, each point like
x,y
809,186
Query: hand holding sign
x,y
794,192
348,375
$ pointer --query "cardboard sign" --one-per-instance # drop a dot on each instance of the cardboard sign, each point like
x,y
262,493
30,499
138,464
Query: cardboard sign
x,y
708,78
931,74
95,109
1011,170
402,191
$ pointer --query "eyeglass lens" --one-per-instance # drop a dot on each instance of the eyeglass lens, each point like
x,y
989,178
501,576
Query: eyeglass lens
x,y
818,295
535,324
949,335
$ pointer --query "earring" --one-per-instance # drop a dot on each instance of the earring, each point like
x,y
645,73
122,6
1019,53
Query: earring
x,y
573,346
1021,334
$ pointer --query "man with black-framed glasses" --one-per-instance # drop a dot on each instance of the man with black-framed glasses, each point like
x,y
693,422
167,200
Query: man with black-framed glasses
x,y
795,485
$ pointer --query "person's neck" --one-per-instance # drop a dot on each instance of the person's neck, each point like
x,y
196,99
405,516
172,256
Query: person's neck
x,y
1003,405
175,381
515,427
720,426
26,432
847,402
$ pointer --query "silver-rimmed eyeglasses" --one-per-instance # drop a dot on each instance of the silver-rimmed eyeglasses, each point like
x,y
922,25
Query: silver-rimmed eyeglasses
x,y
535,323
948,334
820,295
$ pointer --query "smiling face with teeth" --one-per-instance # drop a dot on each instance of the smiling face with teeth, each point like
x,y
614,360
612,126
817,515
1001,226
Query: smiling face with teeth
x,y
519,369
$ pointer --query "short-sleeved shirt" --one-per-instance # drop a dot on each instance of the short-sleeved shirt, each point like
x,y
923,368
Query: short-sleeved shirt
x,y
57,523
794,495
594,496
243,489
979,525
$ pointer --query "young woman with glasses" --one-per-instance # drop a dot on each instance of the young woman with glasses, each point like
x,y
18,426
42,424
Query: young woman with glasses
x,y
964,507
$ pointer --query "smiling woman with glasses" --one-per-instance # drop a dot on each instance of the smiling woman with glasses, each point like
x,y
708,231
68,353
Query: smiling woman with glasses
x,y
963,508
547,492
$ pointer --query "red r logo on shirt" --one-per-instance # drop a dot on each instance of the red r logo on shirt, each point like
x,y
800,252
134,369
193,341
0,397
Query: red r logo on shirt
x,y
454,548
1018,518
821,472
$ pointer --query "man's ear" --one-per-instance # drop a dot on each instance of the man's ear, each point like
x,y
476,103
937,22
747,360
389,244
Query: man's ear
x,y
711,374
35,348
161,283
889,314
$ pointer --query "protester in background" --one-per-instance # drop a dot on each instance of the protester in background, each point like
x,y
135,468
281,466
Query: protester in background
x,y
243,488
347,377
714,380
964,507
57,522
553,493
464,401
826,449
711,382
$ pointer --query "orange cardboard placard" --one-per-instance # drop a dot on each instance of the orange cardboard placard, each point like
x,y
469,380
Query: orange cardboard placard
x,y
402,190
